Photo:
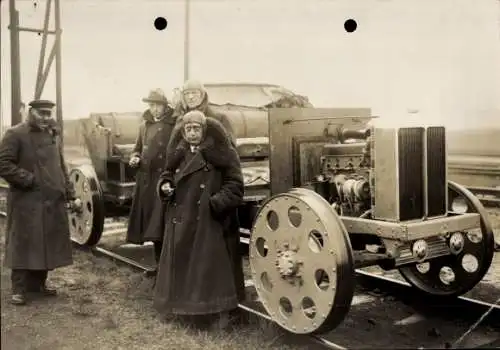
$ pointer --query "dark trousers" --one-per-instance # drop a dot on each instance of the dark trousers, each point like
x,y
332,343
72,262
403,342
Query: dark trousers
x,y
157,247
24,281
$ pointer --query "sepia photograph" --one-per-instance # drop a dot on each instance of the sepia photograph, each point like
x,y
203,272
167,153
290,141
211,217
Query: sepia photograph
x,y
250,174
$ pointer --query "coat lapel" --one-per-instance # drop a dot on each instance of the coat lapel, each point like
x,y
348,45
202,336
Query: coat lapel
x,y
196,163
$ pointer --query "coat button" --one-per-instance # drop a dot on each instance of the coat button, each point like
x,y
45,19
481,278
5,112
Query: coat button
x,y
199,202
174,221
202,186
160,156
177,170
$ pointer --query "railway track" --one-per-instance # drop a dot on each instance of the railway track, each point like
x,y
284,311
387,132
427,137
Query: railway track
x,y
460,308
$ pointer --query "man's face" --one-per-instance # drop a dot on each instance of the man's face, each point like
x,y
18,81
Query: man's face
x,y
193,97
193,132
156,109
42,116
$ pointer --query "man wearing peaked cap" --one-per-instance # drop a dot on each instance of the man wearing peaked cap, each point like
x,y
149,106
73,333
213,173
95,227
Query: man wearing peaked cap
x,y
148,157
38,237
42,104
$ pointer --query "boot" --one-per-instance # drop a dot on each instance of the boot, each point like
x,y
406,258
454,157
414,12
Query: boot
x,y
18,299
47,291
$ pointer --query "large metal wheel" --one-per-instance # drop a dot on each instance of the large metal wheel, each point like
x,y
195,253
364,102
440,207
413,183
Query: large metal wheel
x,y
87,225
302,262
456,274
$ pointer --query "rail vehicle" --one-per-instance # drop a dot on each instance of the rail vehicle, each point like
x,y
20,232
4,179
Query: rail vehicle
x,y
104,142
343,194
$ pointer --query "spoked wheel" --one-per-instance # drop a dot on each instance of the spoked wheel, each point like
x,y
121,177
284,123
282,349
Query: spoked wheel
x,y
87,225
456,274
302,262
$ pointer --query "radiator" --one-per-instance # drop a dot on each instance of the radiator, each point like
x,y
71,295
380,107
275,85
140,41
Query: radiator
x,y
408,177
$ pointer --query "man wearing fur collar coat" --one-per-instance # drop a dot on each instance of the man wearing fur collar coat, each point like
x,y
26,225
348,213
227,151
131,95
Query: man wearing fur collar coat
x,y
38,237
202,185
149,158
194,97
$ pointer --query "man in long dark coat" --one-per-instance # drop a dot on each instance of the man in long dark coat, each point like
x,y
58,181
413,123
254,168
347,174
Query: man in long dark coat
x,y
194,97
196,274
149,157
38,237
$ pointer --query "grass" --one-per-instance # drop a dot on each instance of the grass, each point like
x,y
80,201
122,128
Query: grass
x,y
105,306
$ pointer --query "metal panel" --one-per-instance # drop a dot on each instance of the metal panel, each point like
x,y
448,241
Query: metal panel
x,y
411,167
287,123
437,188
384,181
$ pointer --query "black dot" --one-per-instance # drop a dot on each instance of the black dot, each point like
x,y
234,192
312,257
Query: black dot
x,y
350,25
160,23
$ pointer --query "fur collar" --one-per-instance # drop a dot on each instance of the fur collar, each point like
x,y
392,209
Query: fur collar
x,y
218,154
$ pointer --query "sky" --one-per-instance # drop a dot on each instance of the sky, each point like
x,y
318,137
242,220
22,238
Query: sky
x,y
439,59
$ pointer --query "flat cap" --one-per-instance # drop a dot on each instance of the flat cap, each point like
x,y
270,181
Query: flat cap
x,y
42,104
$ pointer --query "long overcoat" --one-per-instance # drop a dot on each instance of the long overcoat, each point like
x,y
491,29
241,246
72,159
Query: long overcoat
x,y
196,272
233,240
32,162
150,146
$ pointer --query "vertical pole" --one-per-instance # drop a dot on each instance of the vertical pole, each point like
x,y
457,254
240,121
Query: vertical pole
x,y
59,116
15,65
186,40
41,61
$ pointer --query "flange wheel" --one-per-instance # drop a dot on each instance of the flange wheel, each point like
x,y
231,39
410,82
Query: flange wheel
x,y
473,251
302,262
87,225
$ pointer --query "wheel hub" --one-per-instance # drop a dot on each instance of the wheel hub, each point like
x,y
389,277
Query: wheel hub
x,y
288,264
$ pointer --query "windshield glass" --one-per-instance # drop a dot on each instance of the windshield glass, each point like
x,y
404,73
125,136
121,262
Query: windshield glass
x,y
245,95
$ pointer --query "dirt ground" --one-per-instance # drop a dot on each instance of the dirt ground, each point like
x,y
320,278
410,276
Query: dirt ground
x,y
105,306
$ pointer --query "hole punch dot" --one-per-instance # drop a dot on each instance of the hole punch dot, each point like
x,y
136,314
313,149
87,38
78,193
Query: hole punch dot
x,y
160,23
350,25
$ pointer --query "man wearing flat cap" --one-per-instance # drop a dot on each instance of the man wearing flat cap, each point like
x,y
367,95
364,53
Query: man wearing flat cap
x,y
38,236
149,158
